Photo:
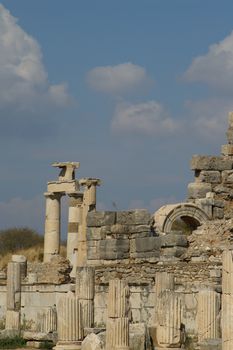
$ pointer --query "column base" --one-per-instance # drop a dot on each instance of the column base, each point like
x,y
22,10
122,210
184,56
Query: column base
x,y
68,345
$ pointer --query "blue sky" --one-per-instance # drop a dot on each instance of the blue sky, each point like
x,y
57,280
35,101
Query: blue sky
x,y
131,89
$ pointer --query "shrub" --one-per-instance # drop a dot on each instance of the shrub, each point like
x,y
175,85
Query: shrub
x,y
12,343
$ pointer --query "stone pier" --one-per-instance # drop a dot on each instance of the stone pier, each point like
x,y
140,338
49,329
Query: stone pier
x,y
117,327
207,314
85,290
169,320
52,225
74,227
69,323
227,300
13,296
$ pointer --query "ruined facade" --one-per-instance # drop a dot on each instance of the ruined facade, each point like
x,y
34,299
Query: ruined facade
x,y
132,279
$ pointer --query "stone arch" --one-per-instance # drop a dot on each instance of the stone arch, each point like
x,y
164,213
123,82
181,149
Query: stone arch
x,y
168,214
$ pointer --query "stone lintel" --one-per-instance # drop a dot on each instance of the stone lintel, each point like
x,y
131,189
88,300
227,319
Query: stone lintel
x,y
54,195
63,186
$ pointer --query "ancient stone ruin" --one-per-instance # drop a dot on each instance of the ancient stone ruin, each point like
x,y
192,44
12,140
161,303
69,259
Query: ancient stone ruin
x,y
131,280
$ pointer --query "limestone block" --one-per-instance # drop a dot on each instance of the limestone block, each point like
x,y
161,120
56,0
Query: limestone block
x,y
163,281
101,218
218,213
93,250
198,190
85,283
111,249
47,320
227,177
207,315
155,255
173,251
169,319
210,176
133,217
172,240
211,344
146,244
12,320
92,342
21,259
119,229
118,296
87,310
138,336
227,150
140,229
95,233
117,334
227,296
210,163
69,320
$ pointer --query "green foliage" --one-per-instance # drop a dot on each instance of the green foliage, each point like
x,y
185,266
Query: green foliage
x,y
12,343
13,239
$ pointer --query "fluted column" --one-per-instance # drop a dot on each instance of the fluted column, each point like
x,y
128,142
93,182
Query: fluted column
x,y
85,290
207,314
163,281
169,319
47,320
69,322
52,225
117,327
74,227
13,296
227,300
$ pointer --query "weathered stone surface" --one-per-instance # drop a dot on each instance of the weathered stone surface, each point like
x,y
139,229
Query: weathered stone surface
x,y
93,250
95,233
142,229
100,218
211,344
209,176
92,342
146,244
198,190
145,255
119,229
172,240
111,249
210,163
227,150
138,337
227,177
134,217
218,213
173,251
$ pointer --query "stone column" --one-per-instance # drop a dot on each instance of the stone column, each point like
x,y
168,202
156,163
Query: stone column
x,y
163,281
74,226
21,259
52,225
69,323
47,320
207,314
169,320
85,291
13,296
117,327
227,300
89,203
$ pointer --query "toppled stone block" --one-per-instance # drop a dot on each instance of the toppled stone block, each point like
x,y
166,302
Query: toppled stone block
x,y
101,218
210,176
198,190
111,249
211,163
145,244
92,342
173,240
134,217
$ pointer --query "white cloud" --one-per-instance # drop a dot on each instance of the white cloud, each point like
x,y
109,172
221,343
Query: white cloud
x,y
117,79
147,118
216,67
24,82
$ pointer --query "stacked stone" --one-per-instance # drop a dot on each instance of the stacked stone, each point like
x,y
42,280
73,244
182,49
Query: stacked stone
x,y
121,235
227,300
47,320
167,311
69,322
15,272
85,290
214,174
117,327
207,314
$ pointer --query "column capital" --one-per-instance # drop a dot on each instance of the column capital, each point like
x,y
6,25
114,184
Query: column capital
x,y
67,172
54,195
89,181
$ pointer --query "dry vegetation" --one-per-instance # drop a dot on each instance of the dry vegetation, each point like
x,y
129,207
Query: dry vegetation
x,y
22,241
